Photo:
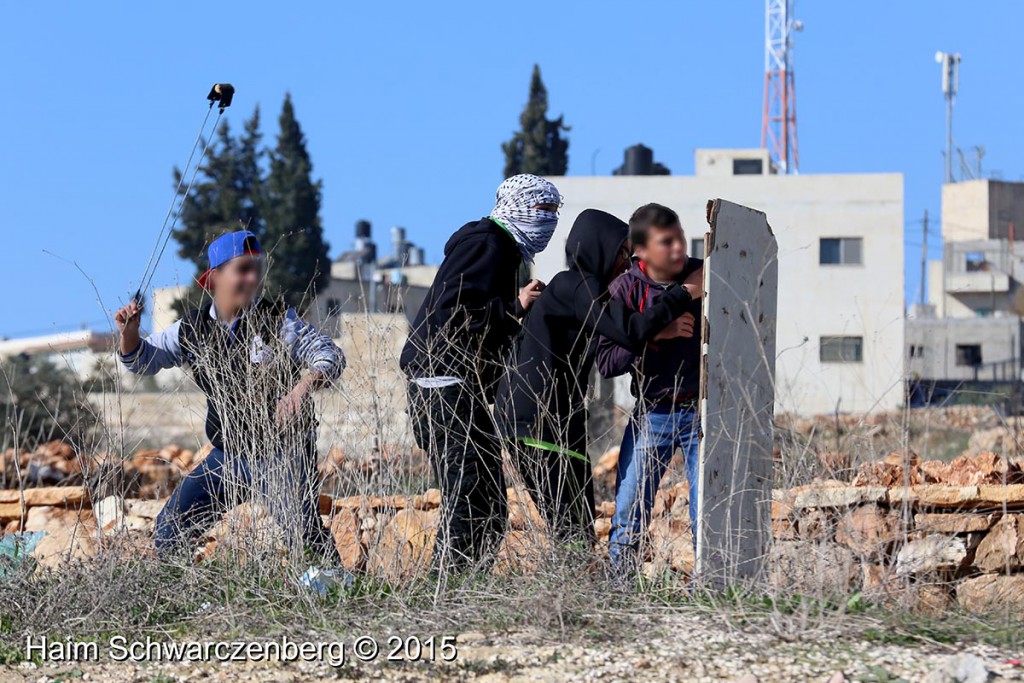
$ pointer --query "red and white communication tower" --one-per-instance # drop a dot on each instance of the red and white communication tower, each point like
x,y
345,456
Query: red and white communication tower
x,y
778,123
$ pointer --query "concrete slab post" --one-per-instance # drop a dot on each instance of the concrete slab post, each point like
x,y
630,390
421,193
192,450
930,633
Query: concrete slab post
x,y
737,395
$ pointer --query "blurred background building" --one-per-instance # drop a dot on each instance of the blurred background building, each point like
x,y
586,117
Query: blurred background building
x,y
965,334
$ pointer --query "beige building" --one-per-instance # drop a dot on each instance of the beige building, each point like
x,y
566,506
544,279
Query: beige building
x,y
971,328
982,209
163,306
840,237
983,249
381,289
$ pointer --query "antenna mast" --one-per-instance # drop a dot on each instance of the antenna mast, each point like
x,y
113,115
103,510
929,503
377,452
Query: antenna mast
x,y
950,84
778,122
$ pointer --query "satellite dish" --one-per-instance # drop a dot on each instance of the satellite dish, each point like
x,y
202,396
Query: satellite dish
x,y
939,56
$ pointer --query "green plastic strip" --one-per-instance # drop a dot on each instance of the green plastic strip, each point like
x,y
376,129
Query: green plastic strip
x,y
501,225
548,446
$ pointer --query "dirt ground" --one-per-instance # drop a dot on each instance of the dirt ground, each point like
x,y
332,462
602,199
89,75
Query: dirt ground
x,y
675,648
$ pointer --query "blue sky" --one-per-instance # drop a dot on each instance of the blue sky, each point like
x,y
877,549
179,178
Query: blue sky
x,y
405,106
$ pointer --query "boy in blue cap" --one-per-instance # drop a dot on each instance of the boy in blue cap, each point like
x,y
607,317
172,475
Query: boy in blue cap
x,y
258,364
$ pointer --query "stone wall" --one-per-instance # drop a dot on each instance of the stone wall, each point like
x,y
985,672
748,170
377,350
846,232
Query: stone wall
x,y
937,532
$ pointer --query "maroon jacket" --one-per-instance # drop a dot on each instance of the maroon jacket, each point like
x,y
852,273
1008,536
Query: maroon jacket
x,y
667,370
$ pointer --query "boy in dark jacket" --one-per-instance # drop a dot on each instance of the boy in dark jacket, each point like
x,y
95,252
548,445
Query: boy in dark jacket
x,y
455,354
665,382
542,401
258,364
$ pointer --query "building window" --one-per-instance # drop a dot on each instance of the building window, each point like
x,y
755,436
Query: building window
x,y
747,167
916,351
333,307
841,349
697,247
968,355
841,251
975,262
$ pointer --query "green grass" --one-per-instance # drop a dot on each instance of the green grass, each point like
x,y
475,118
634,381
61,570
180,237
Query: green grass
x,y
953,626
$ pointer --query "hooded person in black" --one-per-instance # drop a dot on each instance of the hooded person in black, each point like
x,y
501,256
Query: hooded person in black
x,y
455,354
541,403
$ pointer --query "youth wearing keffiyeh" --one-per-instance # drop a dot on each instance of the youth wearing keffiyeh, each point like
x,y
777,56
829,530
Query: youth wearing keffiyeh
x,y
531,228
454,356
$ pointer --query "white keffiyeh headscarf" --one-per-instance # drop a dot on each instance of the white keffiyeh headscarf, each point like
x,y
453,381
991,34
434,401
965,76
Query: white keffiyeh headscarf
x,y
531,228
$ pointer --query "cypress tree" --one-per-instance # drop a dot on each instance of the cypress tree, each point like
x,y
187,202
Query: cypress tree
x,y
227,195
293,235
539,146
249,177
235,190
211,204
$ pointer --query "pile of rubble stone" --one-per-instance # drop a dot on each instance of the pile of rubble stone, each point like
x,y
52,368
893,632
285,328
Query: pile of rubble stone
x,y
964,418
389,535
147,473
942,533
153,473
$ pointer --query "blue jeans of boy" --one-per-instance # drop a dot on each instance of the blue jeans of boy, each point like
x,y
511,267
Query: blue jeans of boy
x,y
651,438
289,487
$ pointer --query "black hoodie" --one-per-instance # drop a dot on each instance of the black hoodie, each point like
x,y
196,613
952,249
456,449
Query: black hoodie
x,y
470,314
543,395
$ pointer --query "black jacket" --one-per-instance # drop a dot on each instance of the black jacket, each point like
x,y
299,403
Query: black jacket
x,y
471,312
543,396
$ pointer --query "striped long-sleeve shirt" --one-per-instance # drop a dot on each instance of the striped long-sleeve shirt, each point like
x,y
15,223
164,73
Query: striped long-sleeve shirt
x,y
308,347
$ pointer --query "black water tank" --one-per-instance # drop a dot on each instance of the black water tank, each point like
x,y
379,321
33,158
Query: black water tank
x,y
640,161
363,229
370,253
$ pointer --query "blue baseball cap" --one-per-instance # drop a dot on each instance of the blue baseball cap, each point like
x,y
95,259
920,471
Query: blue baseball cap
x,y
227,247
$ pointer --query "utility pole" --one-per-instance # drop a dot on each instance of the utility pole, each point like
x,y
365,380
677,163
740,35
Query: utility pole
x,y
1013,255
924,257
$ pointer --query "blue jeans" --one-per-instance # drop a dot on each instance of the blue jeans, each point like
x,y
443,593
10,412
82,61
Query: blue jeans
x,y
288,485
647,447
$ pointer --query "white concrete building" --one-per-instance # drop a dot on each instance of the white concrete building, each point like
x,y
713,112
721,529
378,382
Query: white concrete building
x,y
841,300
83,351
985,349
